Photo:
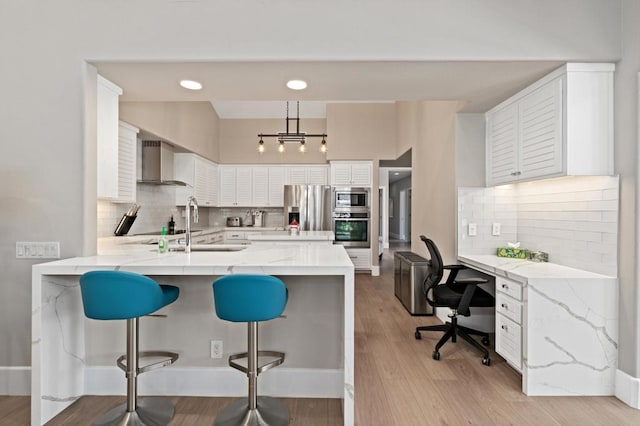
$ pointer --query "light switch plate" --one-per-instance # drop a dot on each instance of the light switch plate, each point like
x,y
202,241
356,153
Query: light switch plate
x,y
472,230
37,250
495,229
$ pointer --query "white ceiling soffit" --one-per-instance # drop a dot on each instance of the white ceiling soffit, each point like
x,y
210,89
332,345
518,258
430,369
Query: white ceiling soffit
x,y
274,109
236,87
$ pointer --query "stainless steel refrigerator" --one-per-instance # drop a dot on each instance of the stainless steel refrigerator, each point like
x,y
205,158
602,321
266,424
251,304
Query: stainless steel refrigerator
x,y
309,205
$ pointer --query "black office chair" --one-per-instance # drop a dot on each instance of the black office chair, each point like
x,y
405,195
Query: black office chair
x,y
458,294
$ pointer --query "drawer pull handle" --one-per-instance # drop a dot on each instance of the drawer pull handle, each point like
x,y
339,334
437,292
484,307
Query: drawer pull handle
x,y
506,287
504,305
504,327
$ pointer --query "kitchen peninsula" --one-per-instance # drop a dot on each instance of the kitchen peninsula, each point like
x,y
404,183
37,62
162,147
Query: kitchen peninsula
x,y
73,356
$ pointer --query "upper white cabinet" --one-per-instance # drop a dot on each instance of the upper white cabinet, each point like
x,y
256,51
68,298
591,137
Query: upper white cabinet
x,y
127,143
560,125
351,173
107,138
202,177
307,175
268,186
235,186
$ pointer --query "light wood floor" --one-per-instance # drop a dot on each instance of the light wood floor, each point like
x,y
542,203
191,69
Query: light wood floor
x,y
397,382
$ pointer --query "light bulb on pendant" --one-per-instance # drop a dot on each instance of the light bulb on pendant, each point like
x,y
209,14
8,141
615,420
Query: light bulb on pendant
x,y
261,146
281,147
323,146
303,147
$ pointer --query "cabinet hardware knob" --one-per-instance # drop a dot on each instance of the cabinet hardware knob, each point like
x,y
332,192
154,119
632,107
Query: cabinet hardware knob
x,y
513,173
504,306
505,286
504,327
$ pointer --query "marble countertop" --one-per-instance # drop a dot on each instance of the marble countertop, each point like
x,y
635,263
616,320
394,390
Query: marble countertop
x,y
287,236
323,259
524,270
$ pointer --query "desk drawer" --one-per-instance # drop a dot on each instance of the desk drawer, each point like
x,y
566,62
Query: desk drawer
x,y
512,288
509,341
509,307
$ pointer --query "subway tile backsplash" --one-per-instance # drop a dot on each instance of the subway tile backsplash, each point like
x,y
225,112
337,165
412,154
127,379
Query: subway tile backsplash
x,y
574,219
158,205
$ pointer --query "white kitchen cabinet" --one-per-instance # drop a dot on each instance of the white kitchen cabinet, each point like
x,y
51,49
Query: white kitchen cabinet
x,y
202,177
307,175
276,187
561,125
107,138
351,173
235,186
268,186
127,145
509,309
360,257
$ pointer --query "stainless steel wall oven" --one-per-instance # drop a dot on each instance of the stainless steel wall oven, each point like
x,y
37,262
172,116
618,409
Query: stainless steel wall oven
x,y
351,221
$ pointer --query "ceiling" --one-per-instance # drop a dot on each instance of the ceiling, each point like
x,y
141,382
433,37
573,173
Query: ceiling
x,y
257,89
396,175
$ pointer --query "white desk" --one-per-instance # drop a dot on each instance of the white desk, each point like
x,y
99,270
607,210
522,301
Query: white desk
x,y
321,287
567,328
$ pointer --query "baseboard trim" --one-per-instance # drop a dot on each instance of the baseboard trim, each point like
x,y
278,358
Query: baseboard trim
x,y
15,381
218,381
628,389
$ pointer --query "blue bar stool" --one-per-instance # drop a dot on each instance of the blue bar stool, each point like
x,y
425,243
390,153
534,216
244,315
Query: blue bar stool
x,y
251,299
118,295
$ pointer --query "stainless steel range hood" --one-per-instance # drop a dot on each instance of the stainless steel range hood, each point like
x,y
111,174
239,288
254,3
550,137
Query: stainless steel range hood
x,y
157,163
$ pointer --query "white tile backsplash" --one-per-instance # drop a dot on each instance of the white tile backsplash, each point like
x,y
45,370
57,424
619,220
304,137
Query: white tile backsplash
x,y
157,206
574,219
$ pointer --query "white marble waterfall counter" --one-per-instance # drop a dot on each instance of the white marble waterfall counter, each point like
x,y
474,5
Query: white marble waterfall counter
x,y
73,356
560,324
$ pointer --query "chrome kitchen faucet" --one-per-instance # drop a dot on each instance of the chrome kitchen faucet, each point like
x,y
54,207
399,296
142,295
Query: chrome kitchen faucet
x,y
191,201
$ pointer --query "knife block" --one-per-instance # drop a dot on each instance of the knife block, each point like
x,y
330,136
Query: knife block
x,y
124,225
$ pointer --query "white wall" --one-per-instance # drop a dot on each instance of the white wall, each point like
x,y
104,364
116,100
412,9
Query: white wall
x,y
48,170
626,165
470,150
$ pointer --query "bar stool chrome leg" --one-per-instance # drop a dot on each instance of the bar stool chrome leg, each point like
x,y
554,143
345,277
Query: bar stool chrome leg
x,y
254,410
146,411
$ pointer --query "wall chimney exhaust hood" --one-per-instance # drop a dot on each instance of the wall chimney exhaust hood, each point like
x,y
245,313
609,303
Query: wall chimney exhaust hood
x,y
157,163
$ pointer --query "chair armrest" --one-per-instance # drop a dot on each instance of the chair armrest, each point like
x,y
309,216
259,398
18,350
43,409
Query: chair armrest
x,y
463,306
471,280
454,267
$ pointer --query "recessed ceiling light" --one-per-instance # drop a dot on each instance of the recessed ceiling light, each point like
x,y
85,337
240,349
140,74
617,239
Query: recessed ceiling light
x,y
191,84
297,84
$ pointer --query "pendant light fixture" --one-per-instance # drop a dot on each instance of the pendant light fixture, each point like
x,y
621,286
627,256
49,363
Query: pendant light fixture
x,y
288,137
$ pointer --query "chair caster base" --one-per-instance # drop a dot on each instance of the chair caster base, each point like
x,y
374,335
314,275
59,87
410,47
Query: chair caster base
x,y
269,412
418,336
486,361
435,355
149,412
485,341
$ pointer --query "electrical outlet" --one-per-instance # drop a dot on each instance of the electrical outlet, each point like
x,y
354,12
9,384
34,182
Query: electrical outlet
x,y
216,349
472,230
495,229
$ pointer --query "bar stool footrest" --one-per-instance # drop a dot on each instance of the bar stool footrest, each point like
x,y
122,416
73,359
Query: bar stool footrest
x,y
264,367
168,358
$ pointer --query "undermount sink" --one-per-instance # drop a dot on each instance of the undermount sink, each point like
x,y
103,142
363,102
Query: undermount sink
x,y
210,247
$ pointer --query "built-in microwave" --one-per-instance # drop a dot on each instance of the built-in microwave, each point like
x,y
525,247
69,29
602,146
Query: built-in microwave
x,y
350,198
